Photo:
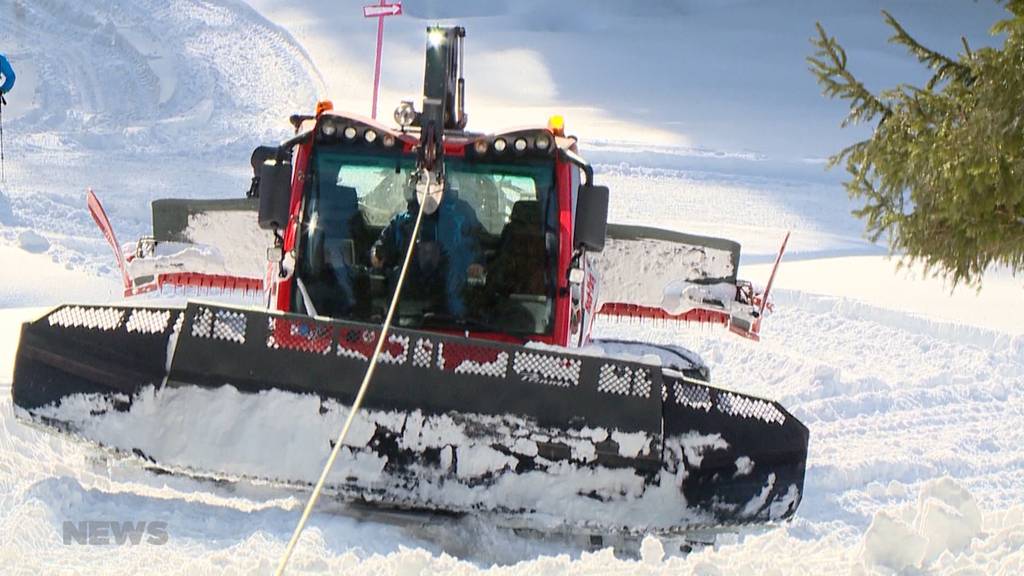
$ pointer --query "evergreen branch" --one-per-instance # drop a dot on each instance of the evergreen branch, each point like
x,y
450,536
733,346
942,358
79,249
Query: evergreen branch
x,y
1016,7
829,65
846,153
945,68
940,179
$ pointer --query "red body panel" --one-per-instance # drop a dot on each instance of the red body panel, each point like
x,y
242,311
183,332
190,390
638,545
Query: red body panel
x,y
699,315
563,177
203,283
302,158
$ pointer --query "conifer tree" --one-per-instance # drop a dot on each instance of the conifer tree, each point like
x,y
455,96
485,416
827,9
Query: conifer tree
x,y
942,175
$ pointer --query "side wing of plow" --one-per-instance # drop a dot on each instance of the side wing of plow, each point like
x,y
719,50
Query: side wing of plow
x,y
202,246
655,274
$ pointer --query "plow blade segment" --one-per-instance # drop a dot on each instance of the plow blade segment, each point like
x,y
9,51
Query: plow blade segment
x,y
691,272
559,440
694,279
744,457
682,258
422,371
91,350
203,244
175,219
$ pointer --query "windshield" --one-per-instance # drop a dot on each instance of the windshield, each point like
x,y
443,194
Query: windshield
x,y
484,260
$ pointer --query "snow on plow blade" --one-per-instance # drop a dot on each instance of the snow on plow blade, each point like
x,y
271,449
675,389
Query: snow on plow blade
x,y
202,244
451,423
694,280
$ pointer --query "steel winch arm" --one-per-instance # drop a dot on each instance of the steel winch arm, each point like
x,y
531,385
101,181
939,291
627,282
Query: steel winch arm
x,y
443,95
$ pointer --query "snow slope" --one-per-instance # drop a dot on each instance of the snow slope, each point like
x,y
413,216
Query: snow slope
x,y
138,100
914,396
721,76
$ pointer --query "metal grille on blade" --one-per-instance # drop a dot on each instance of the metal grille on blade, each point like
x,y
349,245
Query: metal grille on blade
x,y
396,351
544,369
229,326
222,325
616,379
358,343
203,323
470,359
298,335
737,405
148,321
696,397
422,353
82,317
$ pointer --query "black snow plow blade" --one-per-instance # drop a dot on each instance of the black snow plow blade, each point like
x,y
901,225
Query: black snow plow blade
x,y
450,423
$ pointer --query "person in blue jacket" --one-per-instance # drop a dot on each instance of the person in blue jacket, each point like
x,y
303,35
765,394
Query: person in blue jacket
x,y
8,73
447,255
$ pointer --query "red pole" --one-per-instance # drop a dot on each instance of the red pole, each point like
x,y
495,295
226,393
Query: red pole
x,y
376,68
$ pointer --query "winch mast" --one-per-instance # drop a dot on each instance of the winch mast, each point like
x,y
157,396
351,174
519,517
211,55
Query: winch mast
x,y
444,95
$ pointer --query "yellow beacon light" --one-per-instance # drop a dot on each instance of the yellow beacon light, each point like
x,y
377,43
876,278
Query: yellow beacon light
x,y
557,125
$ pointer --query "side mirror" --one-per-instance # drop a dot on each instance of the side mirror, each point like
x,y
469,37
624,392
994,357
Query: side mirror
x,y
591,217
259,156
275,192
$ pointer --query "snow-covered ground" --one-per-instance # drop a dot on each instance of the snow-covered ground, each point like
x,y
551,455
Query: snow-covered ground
x,y
914,395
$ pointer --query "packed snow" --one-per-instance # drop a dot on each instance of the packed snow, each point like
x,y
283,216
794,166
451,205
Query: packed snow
x,y
701,118
300,429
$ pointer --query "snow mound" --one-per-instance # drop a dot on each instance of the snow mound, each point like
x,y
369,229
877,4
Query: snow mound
x,y
139,101
32,241
892,543
652,551
946,523
948,516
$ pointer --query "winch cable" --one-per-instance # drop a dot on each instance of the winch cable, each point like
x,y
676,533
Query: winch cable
x,y
359,396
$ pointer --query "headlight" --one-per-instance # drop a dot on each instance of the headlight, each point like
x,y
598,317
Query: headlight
x,y
520,144
350,132
405,114
480,147
543,142
389,140
328,128
499,145
370,136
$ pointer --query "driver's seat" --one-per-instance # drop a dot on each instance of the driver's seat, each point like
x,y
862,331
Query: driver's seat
x,y
519,267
